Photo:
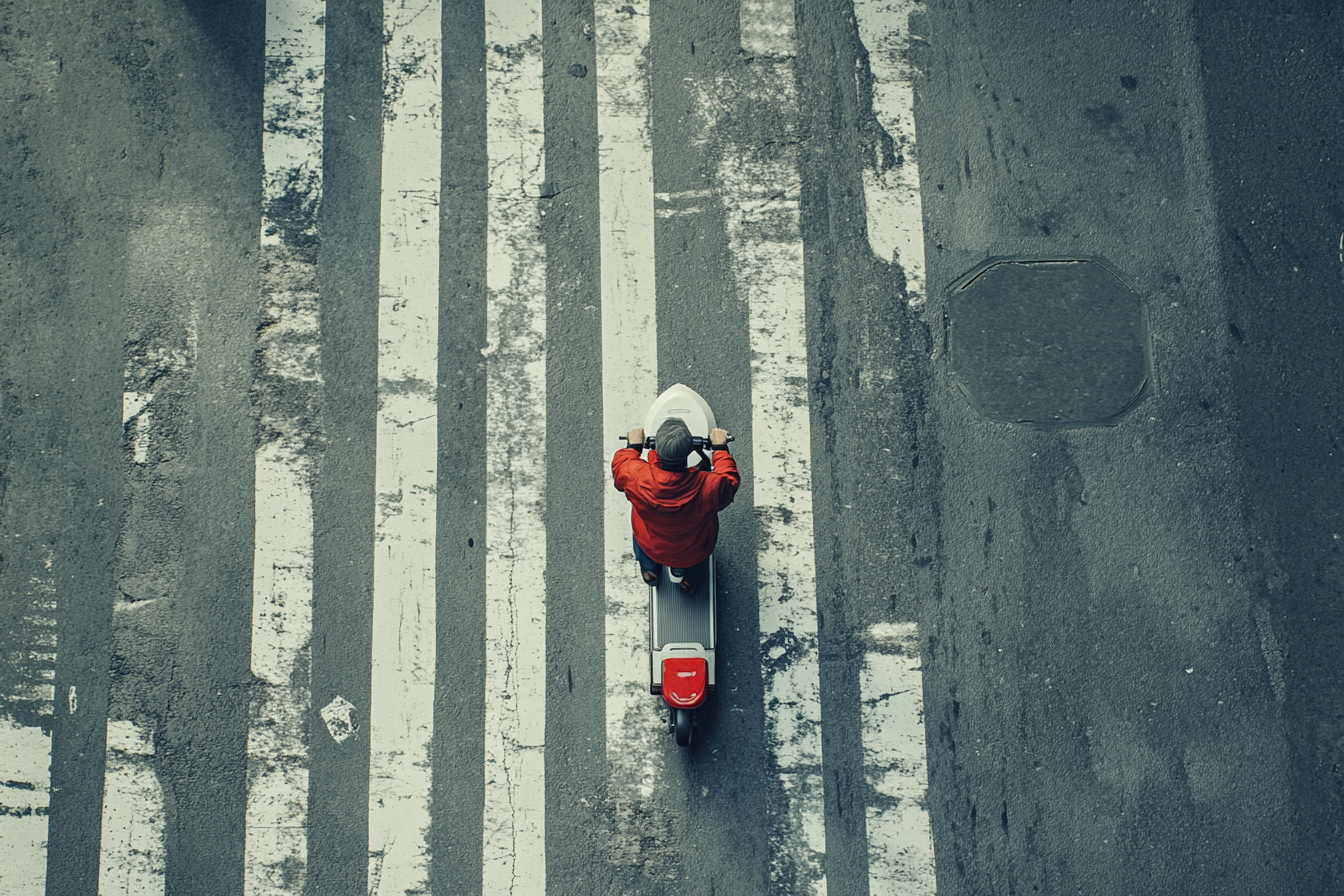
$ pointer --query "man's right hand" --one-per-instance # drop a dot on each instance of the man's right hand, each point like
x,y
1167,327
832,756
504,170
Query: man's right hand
x,y
635,438
719,438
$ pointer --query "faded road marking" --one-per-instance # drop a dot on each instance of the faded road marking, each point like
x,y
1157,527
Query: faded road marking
x,y
629,383
900,841
891,177
131,856
287,393
514,847
762,187
25,798
401,710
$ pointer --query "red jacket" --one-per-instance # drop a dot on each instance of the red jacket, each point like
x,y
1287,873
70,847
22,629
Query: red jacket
x,y
676,512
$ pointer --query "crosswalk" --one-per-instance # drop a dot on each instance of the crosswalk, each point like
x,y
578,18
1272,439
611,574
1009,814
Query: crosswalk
x,y
755,189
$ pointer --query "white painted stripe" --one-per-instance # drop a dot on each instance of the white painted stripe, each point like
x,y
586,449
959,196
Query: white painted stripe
x,y
629,383
402,689
25,798
765,241
276,843
900,845
39,651
684,194
131,856
514,847
891,189
292,120
900,841
25,751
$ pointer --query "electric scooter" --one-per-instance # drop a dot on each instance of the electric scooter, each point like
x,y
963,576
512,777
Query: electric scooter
x,y
682,632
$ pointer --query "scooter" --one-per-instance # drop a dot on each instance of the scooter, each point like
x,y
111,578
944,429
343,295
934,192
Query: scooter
x,y
682,630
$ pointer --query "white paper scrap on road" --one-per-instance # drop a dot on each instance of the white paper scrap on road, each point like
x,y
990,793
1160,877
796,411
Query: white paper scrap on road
x,y
339,719
25,798
895,764
276,841
401,710
762,189
891,186
629,384
514,847
131,858
135,412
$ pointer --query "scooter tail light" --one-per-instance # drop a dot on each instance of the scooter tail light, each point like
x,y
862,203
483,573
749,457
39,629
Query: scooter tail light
x,y
685,681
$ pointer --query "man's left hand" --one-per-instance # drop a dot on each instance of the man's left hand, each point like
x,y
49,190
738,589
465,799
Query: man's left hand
x,y
636,438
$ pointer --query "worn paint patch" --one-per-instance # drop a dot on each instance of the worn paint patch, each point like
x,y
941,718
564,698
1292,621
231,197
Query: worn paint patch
x,y
132,852
760,184
401,710
891,171
29,689
761,187
637,739
514,847
25,800
895,764
160,360
286,394
1269,648
27,707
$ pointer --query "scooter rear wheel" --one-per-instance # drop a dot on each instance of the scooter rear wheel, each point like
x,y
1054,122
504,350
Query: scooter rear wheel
x,y
681,726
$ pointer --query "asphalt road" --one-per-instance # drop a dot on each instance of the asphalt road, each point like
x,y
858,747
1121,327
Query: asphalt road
x,y
1128,632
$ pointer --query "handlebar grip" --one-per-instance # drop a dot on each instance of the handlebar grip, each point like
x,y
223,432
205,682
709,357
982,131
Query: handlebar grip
x,y
697,441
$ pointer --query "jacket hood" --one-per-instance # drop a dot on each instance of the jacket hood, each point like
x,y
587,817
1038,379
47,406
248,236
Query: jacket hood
x,y
668,490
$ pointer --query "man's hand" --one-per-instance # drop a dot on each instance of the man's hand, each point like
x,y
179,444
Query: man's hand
x,y
719,438
635,438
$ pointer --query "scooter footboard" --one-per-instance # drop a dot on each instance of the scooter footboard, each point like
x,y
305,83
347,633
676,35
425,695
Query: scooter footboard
x,y
681,625
685,618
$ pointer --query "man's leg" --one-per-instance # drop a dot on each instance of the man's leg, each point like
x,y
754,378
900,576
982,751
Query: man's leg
x,y
694,574
646,565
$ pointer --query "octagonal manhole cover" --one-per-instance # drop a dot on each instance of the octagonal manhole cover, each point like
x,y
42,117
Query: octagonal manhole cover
x,y
1047,342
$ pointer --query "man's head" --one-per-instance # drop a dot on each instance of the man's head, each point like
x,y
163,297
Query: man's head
x,y
673,442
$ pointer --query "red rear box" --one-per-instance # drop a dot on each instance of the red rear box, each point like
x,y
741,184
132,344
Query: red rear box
x,y
685,681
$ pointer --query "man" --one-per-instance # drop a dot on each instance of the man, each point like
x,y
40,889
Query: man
x,y
675,509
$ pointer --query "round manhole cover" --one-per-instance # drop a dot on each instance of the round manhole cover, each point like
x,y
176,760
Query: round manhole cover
x,y
1047,342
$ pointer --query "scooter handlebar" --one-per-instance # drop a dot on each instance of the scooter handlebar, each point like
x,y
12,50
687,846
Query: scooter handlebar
x,y
696,442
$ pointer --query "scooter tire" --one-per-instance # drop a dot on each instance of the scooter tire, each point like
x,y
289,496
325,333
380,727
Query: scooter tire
x,y
681,726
